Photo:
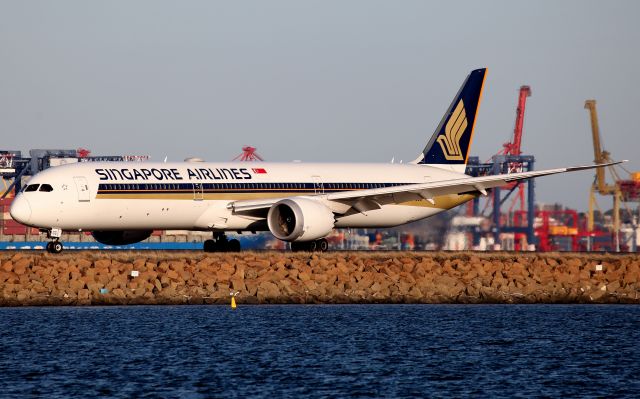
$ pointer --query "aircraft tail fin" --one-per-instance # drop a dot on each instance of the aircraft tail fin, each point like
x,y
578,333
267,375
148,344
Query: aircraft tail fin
x,y
450,144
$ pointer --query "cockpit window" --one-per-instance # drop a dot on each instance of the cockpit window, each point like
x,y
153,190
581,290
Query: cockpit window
x,y
46,188
31,187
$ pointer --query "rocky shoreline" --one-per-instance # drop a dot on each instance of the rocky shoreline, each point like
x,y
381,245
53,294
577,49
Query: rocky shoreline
x,y
147,277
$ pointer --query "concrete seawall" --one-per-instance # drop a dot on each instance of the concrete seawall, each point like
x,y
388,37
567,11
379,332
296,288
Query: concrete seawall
x,y
101,278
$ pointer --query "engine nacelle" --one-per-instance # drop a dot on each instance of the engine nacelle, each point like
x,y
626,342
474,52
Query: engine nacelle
x,y
300,219
122,237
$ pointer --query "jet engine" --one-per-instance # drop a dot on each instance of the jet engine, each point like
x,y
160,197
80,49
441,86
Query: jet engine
x,y
300,219
122,237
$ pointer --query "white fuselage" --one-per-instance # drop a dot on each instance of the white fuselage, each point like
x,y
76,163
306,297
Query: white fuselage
x,y
195,196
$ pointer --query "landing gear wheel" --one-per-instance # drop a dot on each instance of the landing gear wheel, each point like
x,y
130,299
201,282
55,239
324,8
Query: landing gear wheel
x,y
233,246
300,246
322,245
209,246
220,243
54,247
57,247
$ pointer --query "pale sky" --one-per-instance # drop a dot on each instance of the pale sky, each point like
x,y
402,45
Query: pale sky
x,y
361,81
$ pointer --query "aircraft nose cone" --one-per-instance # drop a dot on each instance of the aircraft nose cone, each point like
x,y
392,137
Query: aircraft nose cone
x,y
21,210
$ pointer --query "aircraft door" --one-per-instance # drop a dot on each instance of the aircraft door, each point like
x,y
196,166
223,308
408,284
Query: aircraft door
x,y
318,186
82,187
198,192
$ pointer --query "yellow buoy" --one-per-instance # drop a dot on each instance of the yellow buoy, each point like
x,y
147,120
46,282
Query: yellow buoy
x,y
233,302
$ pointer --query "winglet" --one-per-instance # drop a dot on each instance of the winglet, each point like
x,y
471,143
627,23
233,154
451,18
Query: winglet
x,y
596,165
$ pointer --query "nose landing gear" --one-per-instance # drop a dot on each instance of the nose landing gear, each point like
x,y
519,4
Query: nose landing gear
x,y
220,243
55,246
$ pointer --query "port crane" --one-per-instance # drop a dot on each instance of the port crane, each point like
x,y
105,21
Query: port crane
x,y
622,190
509,160
513,147
248,154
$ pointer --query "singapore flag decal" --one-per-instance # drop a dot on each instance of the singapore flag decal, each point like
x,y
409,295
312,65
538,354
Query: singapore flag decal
x,y
259,171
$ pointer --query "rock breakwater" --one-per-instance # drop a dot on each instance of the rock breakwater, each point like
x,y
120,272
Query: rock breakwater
x,y
118,278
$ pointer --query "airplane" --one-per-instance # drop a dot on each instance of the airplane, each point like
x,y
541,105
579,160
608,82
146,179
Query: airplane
x,y
122,203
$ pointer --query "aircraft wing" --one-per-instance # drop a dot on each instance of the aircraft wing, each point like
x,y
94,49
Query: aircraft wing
x,y
407,192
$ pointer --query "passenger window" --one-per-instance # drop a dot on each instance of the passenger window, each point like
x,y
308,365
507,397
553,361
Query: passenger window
x,y
31,187
46,188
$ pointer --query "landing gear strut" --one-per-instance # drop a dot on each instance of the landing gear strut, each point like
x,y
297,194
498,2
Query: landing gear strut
x,y
321,245
55,246
220,243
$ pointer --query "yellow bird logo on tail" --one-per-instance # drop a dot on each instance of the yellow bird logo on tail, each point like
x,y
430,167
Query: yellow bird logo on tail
x,y
456,126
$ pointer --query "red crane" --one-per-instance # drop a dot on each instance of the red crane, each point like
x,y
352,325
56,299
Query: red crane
x,y
513,147
248,154
83,152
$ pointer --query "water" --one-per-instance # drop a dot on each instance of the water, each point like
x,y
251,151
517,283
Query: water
x,y
321,351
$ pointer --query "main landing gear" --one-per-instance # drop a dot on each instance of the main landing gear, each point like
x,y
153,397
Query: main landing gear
x,y
55,246
220,243
321,245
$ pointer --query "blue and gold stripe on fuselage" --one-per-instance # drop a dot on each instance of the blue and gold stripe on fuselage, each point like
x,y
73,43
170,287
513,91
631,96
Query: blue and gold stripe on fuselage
x,y
225,191
245,191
